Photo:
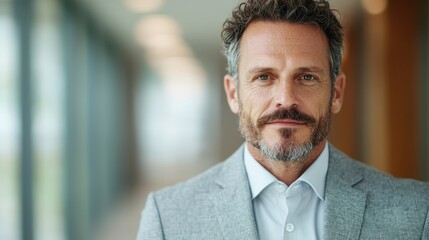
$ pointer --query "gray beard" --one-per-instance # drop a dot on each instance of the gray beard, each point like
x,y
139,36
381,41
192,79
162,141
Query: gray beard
x,y
286,150
289,153
292,152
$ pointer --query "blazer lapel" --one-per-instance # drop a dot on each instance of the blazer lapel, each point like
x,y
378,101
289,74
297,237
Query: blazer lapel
x,y
345,205
233,201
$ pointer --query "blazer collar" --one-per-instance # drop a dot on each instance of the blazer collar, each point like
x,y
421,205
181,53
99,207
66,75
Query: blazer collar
x,y
345,204
233,201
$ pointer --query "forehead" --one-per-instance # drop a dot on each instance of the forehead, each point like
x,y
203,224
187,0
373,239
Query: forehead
x,y
299,43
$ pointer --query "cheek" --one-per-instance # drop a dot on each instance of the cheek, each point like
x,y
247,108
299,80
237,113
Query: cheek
x,y
325,106
316,105
254,108
256,101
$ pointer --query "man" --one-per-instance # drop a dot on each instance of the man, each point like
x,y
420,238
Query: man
x,y
286,181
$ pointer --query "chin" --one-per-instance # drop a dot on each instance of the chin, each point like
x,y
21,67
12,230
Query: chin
x,y
286,150
282,140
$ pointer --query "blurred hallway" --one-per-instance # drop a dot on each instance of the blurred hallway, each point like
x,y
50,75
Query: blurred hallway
x,y
102,102
123,221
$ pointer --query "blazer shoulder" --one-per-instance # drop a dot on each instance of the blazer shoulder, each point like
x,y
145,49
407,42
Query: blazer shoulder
x,y
198,183
203,183
377,182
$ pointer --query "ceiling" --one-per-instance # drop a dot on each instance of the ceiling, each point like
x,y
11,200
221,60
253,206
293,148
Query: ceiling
x,y
200,21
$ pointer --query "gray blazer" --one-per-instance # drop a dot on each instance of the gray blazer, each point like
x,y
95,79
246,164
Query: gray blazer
x,y
361,203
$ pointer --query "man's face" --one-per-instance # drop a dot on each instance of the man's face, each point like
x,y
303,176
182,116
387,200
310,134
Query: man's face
x,y
284,96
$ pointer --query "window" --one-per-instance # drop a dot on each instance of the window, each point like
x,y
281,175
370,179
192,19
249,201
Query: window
x,y
9,129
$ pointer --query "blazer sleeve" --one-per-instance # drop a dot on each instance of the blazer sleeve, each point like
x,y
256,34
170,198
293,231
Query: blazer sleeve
x,y
150,224
426,228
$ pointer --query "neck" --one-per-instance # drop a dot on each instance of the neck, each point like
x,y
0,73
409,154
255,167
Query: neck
x,y
287,172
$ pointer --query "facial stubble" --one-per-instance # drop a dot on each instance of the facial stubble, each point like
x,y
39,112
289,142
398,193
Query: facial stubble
x,y
287,149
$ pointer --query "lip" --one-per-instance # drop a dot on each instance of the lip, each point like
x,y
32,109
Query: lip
x,y
286,122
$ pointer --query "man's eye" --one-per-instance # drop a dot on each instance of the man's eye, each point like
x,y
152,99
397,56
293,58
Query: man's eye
x,y
308,77
263,77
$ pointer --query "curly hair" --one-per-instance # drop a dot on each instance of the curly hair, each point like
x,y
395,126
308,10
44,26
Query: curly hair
x,y
313,12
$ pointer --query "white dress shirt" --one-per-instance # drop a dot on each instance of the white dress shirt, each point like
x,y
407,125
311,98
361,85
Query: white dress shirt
x,y
288,212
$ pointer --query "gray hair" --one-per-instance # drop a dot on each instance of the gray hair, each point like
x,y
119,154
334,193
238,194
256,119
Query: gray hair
x,y
312,12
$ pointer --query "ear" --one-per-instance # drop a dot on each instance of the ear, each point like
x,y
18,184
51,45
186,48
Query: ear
x,y
231,93
337,100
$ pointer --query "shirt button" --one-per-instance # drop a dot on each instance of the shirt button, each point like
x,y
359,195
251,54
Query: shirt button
x,y
290,227
280,187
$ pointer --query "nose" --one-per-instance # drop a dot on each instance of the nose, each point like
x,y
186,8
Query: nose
x,y
286,94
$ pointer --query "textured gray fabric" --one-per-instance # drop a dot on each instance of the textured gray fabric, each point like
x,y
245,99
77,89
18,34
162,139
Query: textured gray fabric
x,y
361,203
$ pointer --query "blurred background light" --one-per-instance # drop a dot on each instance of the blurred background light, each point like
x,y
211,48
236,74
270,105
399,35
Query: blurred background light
x,y
153,25
160,36
375,7
143,5
182,76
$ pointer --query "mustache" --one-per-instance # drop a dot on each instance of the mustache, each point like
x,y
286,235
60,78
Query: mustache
x,y
286,113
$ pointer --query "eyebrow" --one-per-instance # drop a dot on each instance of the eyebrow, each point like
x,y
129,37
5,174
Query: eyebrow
x,y
260,69
311,69
252,71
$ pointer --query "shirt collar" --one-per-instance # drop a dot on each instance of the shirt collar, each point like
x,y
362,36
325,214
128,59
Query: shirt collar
x,y
260,178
